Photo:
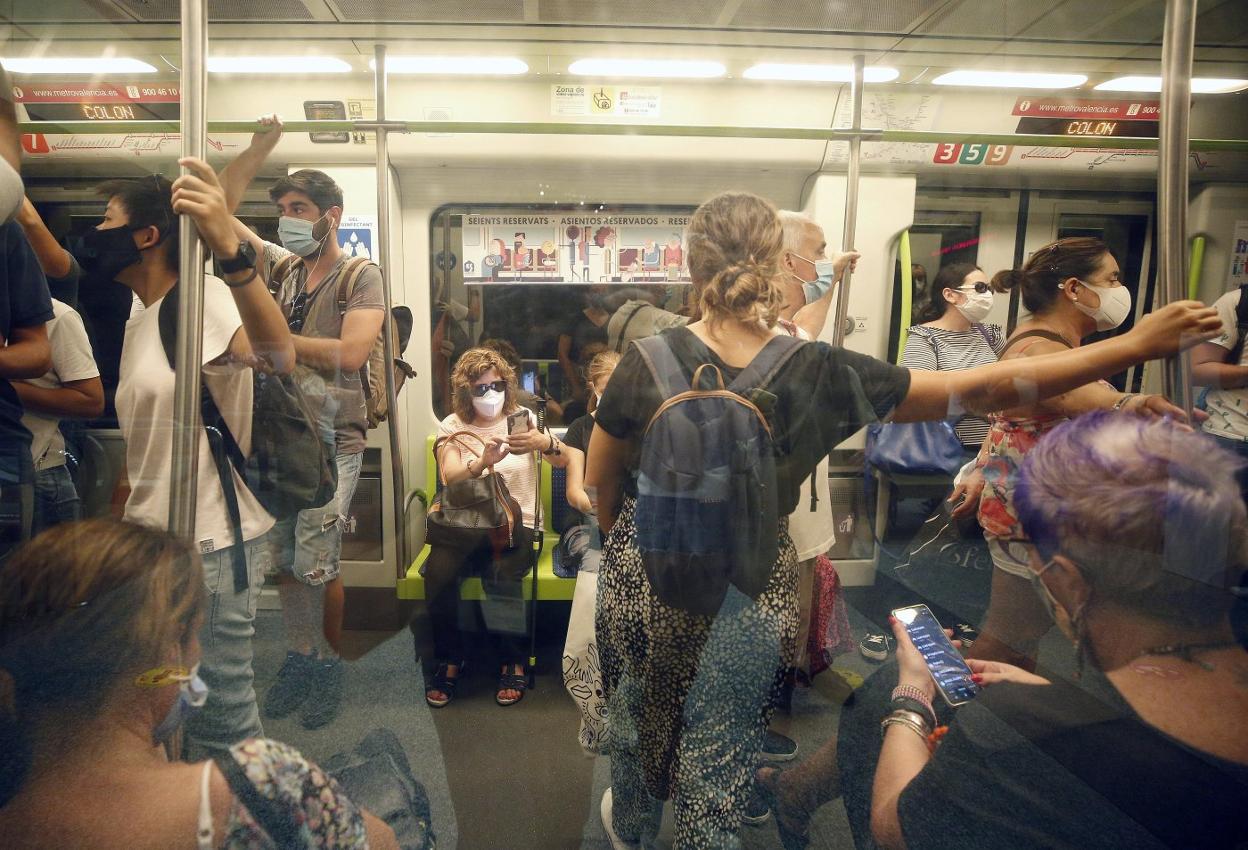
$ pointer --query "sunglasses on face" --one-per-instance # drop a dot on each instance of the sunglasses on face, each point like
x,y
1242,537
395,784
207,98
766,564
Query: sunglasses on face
x,y
479,390
978,286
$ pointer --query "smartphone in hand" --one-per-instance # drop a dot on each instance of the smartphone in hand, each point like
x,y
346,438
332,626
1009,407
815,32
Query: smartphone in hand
x,y
518,422
949,670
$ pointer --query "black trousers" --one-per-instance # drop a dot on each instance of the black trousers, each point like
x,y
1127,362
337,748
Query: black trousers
x,y
503,614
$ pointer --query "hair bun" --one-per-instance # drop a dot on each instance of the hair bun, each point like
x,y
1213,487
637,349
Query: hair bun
x,y
1008,279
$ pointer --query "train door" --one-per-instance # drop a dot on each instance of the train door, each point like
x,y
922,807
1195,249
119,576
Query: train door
x,y
958,226
1125,224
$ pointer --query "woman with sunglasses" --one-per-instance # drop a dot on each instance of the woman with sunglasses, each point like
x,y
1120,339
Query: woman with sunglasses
x,y
1072,290
484,391
952,335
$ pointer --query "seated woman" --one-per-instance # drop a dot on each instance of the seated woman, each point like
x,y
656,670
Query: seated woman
x,y
1152,750
473,440
99,649
576,440
951,335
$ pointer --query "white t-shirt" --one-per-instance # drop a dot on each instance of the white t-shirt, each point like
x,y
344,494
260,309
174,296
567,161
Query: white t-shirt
x,y
71,361
145,412
1228,409
813,532
519,471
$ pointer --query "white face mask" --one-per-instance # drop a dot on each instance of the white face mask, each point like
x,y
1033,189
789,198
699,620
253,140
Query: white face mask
x,y
489,405
977,307
1114,308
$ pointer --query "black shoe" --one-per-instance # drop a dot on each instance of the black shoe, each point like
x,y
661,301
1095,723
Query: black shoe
x,y
966,633
326,699
875,647
756,810
294,683
777,747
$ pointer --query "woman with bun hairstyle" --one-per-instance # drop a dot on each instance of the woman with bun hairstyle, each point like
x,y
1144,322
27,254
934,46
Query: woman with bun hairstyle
x,y
1072,290
99,670
689,695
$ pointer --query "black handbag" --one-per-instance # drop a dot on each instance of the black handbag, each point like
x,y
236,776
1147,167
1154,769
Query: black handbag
x,y
469,513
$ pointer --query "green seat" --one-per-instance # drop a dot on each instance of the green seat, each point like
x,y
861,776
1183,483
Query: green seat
x,y
550,587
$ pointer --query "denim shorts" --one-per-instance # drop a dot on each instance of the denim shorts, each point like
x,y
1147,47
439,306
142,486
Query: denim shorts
x,y
308,545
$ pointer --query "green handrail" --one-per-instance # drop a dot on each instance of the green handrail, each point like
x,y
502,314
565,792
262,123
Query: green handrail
x,y
593,129
1195,265
907,291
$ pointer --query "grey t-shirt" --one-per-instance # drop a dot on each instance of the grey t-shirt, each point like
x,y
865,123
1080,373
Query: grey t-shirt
x,y
337,395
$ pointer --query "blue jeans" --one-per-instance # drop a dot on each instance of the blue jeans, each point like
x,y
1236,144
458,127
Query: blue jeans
x,y
230,714
56,499
309,544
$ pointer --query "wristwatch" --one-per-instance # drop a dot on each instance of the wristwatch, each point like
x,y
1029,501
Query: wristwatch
x,y
244,259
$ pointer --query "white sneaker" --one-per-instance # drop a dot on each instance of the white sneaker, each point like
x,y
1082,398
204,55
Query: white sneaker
x,y
617,843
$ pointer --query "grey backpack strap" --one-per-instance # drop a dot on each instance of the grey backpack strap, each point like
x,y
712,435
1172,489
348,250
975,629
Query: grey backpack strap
x,y
663,365
766,363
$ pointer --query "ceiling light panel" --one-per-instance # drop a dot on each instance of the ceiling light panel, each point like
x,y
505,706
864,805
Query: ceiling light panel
x,y
1200,85
818,73
93,66
632,68
277,65
1010,80
457,65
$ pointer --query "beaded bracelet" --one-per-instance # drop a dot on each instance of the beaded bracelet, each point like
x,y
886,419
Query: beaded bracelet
x,y
911,692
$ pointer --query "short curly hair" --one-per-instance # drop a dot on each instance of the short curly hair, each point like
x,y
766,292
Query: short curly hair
x,y
474,363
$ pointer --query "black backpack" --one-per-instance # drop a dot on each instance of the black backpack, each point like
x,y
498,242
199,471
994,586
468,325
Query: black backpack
x,y
290,468
707,511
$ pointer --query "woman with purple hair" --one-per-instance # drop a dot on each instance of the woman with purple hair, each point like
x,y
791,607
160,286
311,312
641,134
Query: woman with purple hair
x,y
1141,546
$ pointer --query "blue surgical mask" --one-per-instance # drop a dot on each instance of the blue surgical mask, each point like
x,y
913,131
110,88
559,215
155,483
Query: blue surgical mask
x,y
296,235
817,288
192,694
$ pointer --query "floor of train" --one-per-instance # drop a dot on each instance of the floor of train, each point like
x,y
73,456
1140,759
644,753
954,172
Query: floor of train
x,y
515,777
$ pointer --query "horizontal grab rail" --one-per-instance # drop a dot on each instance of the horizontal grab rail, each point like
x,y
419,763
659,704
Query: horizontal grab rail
x,y
675,130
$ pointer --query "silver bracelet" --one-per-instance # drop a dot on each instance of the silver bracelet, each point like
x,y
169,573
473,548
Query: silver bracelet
x,y
909,719
1122,402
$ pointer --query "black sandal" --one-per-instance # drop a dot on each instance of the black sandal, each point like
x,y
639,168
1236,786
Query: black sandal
x,y
511,682
443,684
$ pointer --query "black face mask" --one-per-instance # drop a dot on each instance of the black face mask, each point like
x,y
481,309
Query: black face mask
x,y
105,253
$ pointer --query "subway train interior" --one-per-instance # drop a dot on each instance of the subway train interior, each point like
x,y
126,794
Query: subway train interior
x,y
521,170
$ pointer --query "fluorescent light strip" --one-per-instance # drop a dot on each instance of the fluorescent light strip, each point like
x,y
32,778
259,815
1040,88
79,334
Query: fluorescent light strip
x,y
458,65
60,65
1200,85
277,65
1010,80
692,69
818,73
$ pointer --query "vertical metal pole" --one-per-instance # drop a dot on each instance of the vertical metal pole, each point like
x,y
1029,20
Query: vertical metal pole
x,y
851,197
186,398
1172,182
387,264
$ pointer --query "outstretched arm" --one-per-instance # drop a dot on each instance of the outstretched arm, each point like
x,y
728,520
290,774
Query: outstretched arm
x,y
264,331
1025,380
53,259
237,176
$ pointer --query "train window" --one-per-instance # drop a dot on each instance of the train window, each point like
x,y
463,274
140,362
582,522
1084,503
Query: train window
x,y
556,283
937,238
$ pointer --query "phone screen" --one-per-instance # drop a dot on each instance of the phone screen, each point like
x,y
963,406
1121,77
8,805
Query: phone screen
x,y
948,669
528,377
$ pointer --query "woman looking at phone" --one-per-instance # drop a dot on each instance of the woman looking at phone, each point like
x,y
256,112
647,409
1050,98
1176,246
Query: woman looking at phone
x,y
1151,748
502,436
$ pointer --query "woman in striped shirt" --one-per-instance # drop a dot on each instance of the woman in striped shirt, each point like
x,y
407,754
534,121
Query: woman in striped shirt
x,y
952,335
